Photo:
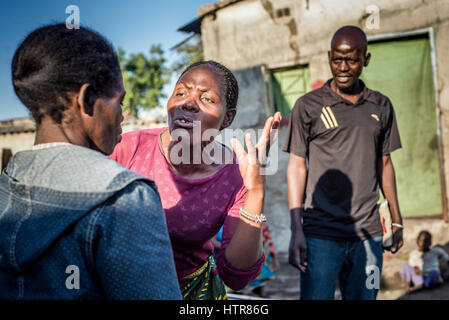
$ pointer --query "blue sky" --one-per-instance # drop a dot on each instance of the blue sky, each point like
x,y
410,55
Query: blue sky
x,y
133,25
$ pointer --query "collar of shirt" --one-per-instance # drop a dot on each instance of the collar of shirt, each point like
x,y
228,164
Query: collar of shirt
x,y
49,145
331,98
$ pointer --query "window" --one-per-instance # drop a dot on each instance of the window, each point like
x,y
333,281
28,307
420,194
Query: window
x,y
288,86
283,12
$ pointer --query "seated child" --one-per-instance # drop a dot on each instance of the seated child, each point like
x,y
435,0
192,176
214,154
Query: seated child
x,y
422,270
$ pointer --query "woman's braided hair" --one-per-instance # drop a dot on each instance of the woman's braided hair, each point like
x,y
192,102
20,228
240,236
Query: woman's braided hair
x,y
231,87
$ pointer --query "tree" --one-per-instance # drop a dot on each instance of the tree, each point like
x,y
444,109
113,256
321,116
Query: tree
x,y
189,52
143,79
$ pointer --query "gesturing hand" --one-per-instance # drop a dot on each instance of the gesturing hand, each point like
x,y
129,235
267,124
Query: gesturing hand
x,y
250,162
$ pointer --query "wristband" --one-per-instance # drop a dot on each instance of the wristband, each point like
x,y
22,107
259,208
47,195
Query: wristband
x,y
258,218
398,225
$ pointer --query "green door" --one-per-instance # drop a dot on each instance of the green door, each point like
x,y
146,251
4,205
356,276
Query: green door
x,y
401,70
288,86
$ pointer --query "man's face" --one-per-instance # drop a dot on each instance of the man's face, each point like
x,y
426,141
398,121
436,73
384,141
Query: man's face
x,y
106,130
346,61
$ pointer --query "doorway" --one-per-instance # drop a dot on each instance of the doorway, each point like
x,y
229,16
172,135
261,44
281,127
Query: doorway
x,y
289,85
401,69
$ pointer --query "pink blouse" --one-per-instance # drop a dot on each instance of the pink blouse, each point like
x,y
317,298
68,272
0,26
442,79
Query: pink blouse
x,y
195,209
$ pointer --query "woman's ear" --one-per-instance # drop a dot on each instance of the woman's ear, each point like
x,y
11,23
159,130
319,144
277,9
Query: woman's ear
x,y
229,117
86,99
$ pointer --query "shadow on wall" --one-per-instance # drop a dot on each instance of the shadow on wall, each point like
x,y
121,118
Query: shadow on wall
x,y
253,98
6,155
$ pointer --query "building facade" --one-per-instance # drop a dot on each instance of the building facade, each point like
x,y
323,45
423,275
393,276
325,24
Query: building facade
x,y
18,134
278,50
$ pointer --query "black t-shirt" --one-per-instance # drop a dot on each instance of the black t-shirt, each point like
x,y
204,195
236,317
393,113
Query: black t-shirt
x,y
342,143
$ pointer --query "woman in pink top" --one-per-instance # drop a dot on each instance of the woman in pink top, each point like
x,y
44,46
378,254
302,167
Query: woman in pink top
x,y
200,194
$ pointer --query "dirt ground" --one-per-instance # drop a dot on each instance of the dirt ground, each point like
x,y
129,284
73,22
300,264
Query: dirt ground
x,y
286,284
391,285
393,288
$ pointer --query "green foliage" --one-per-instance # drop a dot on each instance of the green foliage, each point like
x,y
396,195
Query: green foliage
x,y
143,78
189,52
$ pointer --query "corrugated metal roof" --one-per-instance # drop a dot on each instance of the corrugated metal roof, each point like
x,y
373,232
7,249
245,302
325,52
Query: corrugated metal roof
x,y
195,25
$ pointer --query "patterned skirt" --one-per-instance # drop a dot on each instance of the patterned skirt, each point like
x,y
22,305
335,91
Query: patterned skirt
x,y
204,283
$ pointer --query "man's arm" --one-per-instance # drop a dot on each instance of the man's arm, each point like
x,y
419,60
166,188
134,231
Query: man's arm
x,y
296,182
388,188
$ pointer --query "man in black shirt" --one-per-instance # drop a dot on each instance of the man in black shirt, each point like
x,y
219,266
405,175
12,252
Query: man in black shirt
x,y
346,132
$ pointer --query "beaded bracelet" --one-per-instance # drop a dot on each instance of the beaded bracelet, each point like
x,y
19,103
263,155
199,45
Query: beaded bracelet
x,y
252,217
